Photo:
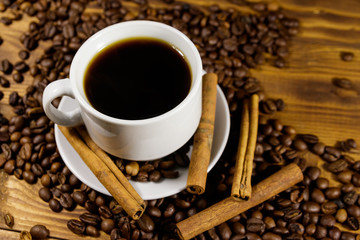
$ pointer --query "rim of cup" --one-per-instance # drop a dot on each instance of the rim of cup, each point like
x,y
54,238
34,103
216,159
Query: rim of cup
x,y
195,85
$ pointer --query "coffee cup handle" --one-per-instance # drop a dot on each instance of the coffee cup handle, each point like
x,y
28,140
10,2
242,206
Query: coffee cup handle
x,y
57,89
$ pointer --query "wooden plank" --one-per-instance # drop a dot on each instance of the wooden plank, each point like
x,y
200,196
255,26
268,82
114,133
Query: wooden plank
x,y
22,201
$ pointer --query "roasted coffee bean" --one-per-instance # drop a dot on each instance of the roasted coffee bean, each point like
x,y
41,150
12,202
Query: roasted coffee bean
x,y
90,219
182,203
76,226
167,164
91,206
105,212
66,201
333,193
146,223
18,77
29,176
169,173
327,220
353,223
309,138
299,145
331,154
18,173
334,233
356,166
318,148
21,67
347,236
115,207
79,197
271,236
341,215
24,235
317,196
295,227
293,215
132,168
320,232
255,225
39,232
311,207
74,181
115,234
55,167
14,99
356,179
322,183
329,207
350,198
5,83
280,230
99,200
5,66
268,106
169,210
37,169
107,225
45,194
313,173
9,220
337,166
92,231
153,211
23,54
353,210
9,166
224,231
346,56
345,176
342,83
155,176
55,205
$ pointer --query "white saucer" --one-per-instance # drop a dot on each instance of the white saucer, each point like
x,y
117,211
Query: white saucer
x,y
147,190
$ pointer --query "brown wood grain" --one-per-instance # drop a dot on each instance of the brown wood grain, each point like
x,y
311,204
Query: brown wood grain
x,y
22,201
313,103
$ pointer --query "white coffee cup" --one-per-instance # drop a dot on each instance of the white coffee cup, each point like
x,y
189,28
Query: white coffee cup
x,y
141,140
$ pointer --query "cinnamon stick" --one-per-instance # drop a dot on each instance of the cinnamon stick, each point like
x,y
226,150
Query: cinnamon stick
x,y
242,145
110,164
103,174
229,207
241,188
203,137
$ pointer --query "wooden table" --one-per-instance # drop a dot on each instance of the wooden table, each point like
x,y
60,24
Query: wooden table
x,y
313,103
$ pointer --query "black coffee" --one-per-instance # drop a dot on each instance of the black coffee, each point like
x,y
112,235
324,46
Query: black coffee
x,y
137,78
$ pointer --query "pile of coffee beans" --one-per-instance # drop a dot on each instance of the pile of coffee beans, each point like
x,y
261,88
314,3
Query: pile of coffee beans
x,y
156,170
230,43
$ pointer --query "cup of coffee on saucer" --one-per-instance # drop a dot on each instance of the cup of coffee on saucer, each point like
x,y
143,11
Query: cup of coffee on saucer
x,y
136,86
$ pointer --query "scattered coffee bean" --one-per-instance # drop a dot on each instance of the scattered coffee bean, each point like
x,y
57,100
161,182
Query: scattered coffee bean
x,y
9,220
23,54
107,225
39,232
24,235
76,226
342,83
346,56
55,205
45,194
5,66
